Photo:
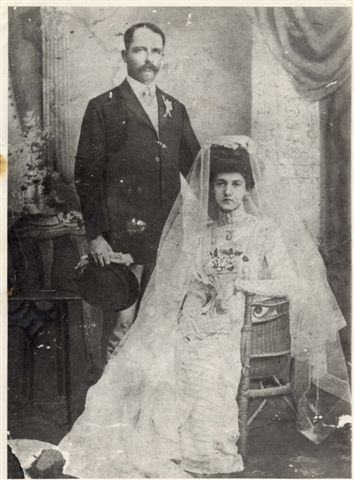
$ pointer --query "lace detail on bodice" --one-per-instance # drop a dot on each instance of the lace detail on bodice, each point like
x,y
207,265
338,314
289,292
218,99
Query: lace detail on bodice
x,y
232,238
239,215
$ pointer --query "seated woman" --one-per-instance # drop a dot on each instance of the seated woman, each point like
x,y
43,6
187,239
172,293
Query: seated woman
x,y
240,252
165,405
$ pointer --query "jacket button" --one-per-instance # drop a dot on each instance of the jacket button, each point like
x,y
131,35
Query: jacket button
x,y
157,159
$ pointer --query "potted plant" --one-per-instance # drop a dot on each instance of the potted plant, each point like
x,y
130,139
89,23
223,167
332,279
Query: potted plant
x,y
49,206
44,191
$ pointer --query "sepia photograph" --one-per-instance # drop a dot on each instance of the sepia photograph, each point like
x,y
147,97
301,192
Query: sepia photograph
x,y
178,242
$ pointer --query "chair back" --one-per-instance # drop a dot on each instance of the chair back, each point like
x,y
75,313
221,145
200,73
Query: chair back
x,y
265,354
270,352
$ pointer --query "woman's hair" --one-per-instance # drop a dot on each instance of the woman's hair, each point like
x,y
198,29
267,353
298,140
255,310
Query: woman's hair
x,y
230,160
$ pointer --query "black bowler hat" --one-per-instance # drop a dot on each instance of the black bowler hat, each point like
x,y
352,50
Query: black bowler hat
x,y
113,287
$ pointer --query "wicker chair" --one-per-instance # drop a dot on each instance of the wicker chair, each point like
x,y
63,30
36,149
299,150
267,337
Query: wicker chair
x,y
265,355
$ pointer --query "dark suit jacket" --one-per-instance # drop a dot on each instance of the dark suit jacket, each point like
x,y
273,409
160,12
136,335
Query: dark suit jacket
x,y
126,175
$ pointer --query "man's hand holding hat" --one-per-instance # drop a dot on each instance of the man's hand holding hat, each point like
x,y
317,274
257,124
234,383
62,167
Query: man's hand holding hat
x,y
99,250
102,254
115,257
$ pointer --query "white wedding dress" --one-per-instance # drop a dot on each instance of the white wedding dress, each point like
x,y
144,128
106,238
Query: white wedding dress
x,y
241,247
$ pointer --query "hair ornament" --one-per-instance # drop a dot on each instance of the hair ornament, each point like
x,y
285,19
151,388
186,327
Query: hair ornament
x,y
234,142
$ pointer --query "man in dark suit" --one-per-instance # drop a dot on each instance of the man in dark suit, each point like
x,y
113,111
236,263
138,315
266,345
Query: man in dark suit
x,y
135,140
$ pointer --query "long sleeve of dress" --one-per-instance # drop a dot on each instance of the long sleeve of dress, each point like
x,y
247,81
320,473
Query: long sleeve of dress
x,y
283,278
198,295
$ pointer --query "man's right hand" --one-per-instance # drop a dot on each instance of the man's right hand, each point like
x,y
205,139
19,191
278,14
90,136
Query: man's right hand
x,y
99,250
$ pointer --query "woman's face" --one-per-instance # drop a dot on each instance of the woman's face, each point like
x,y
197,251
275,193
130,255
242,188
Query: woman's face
x,y
229,190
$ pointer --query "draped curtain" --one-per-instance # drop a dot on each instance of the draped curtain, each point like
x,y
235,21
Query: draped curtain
x,y
313,45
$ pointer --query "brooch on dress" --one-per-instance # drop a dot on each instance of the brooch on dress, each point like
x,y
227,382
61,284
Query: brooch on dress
x,y
224,260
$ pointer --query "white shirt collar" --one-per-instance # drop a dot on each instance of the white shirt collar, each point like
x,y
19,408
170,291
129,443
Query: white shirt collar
x,y
139,87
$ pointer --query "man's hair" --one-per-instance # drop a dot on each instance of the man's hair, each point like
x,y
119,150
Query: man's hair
x,y
128,36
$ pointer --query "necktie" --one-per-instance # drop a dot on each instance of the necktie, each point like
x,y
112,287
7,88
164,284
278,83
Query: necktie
x,y
148,96
149,104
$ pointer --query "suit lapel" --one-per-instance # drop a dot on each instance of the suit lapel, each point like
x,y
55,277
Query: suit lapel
x,y
163,119
132,103
167,116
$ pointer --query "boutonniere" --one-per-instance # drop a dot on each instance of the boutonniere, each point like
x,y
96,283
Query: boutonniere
x,y
168,106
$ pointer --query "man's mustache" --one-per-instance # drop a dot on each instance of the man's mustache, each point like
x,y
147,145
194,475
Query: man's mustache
x,y
149,66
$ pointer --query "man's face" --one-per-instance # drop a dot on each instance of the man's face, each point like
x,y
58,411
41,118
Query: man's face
x,y
229,190
144,55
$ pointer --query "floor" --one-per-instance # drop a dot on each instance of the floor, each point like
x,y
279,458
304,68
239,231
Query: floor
x,y
276,449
